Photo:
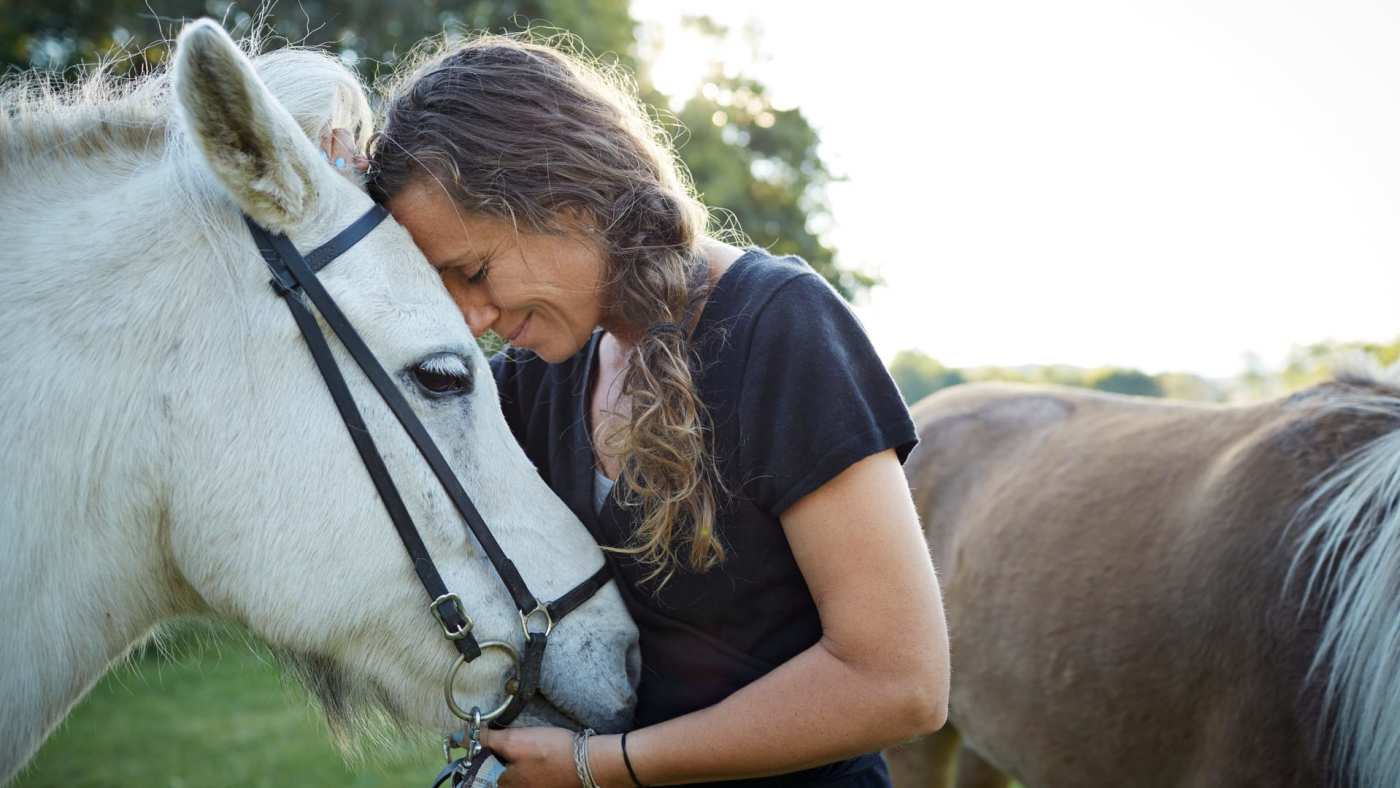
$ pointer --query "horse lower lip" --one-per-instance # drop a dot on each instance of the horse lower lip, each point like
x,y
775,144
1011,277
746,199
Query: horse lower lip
x,y
557,709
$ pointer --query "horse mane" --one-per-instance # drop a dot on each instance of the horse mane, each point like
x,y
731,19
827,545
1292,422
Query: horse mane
x,y
47,120
1362,369
1347,557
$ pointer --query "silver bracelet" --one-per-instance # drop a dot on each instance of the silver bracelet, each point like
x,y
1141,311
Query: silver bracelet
x,y
581,767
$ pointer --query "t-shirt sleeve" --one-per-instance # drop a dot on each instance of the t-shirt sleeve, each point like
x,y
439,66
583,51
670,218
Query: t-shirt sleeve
x,y
815,397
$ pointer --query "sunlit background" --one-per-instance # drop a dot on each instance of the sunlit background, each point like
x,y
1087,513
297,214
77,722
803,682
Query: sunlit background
x,y
1190,186
1190,199
1196,196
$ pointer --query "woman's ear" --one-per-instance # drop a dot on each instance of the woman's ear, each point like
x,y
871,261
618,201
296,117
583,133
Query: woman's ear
x,y
250,142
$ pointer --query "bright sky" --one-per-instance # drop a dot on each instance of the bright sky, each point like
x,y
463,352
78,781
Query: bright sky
x,y
1166,186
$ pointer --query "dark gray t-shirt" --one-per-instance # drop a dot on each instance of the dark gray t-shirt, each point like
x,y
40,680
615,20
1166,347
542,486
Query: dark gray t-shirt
x,y
795,394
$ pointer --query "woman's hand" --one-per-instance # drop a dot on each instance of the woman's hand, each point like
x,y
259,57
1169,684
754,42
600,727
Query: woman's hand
x,y
534,757
338,148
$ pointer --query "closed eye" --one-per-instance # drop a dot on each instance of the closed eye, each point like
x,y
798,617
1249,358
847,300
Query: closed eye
x,y
480,275
443,375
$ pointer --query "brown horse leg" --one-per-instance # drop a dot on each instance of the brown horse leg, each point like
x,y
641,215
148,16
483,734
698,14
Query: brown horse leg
x,y
975,772
927,762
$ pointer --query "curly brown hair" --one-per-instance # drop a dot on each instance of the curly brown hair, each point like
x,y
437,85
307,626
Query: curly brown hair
x,y
521,129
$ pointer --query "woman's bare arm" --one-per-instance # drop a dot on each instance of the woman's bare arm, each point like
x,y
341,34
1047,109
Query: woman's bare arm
x,y
879,674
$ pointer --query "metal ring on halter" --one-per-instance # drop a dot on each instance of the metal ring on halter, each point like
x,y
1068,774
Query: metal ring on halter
x,y
467,716
542,610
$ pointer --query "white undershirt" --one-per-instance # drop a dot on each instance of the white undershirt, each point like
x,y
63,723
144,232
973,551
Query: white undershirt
x,y
602,485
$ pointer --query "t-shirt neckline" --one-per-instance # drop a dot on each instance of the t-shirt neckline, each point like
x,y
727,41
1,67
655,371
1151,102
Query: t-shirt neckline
x,y
596,339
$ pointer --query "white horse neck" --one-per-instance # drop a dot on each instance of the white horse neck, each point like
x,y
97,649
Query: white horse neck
x,y
81,509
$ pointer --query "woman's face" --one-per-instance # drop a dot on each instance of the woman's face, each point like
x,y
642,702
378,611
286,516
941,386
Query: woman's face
x,y
539,292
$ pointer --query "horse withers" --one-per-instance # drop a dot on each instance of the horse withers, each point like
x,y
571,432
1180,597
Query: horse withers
x,y
1152,593
170,449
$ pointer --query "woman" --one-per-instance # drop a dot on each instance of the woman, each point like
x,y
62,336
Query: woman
x,y
715,415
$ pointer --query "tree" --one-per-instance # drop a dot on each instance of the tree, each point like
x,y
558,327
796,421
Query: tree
x,y
919,375
761,165
54,35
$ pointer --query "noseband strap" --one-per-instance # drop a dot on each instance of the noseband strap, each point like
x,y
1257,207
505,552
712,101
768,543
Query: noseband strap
x,y
294,278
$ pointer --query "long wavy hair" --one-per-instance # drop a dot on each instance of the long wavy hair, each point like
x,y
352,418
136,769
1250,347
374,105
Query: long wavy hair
x,y
523,130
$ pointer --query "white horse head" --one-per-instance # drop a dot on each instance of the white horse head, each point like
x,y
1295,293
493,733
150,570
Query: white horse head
x,y
169,447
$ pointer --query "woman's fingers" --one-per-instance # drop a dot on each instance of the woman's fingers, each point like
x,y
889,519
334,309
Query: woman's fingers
x,y
500,742
503,743
338,148
534,757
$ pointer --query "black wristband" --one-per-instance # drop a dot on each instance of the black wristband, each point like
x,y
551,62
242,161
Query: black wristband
x,y
628,763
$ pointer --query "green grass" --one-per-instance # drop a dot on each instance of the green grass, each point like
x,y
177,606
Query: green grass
x,y
210,710
213,711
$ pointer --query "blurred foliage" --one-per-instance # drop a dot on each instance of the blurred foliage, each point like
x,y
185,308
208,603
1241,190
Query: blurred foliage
x,y
759,166
1124,381
918,375
1315,363
757,162
55,35
1308,365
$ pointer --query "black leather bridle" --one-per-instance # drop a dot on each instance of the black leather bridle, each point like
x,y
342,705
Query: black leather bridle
x,y
294,278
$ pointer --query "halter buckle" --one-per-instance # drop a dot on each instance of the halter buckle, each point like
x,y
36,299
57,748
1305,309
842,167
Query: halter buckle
x,y
452,634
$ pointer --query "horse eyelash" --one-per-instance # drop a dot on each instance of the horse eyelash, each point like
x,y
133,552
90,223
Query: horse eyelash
x,y
445,364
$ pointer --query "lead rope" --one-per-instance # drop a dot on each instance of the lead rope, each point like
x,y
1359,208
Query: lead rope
x,y
462,771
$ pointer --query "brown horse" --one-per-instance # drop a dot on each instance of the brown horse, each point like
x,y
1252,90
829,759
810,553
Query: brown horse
x,y
1153,593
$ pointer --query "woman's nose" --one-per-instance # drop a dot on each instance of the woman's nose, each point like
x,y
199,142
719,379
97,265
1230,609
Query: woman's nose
x,y
480,316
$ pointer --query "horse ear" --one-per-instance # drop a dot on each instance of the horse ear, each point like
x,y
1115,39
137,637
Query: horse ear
x,y
249,140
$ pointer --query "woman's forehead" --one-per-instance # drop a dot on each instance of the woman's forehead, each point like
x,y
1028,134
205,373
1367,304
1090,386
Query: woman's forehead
x,y
449,235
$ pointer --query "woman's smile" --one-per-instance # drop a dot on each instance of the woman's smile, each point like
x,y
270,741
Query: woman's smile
x,y
516,337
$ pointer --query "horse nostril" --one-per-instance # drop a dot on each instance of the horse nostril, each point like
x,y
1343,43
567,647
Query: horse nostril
x,y
634,664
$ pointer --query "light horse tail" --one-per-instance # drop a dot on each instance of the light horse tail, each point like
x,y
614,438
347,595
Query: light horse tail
x,y
1349,555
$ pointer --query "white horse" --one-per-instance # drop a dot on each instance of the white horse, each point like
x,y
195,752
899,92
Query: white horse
x,y
169,447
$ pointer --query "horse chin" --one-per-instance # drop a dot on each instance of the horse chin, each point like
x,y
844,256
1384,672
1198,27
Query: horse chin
x,y
541,710
352,703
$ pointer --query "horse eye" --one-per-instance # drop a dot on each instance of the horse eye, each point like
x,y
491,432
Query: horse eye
x,y
443,375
